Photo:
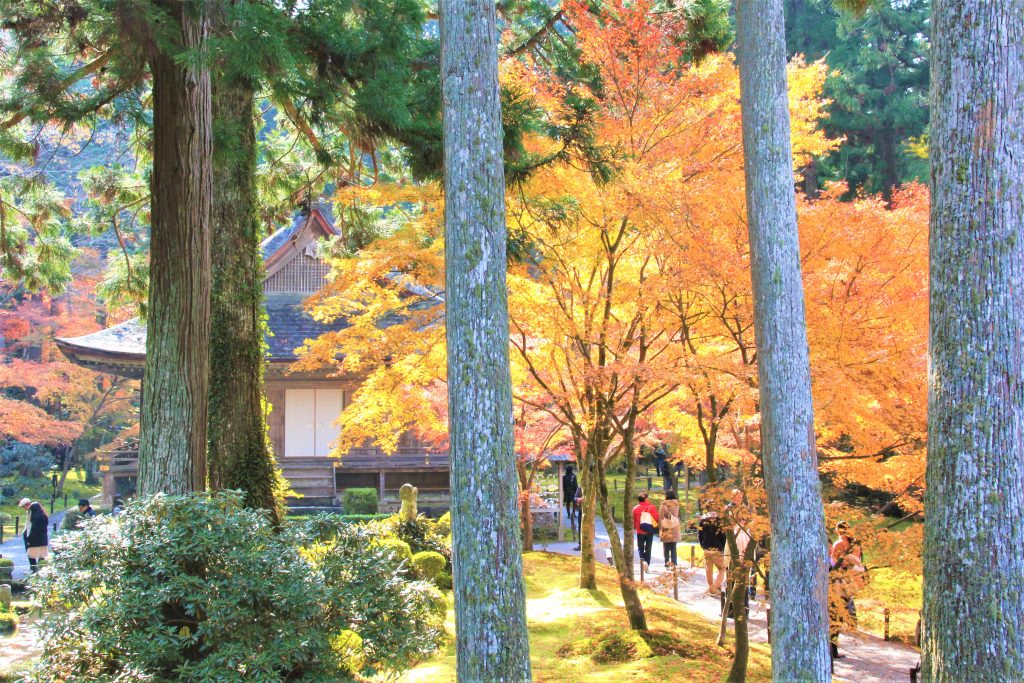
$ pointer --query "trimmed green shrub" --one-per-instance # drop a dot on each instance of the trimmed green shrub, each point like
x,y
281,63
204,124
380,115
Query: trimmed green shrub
x,y
399,621
397,549
6,562
421,534
8,623
444,580
444,524
428,565
362,519
186,588
6,568
348,646
360,501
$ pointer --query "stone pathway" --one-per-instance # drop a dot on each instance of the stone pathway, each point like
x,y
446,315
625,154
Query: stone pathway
x,y
866,658
22,646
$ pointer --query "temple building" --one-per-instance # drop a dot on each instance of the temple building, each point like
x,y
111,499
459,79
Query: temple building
x,y
305,406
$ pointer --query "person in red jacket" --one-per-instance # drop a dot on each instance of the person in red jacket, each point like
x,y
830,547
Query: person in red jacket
x,y
645,521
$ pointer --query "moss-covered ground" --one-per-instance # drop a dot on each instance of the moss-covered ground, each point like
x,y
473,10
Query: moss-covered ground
x,y
578,635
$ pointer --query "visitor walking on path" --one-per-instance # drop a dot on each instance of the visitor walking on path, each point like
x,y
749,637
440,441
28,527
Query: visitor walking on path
x,y
569,486
669,523
712,542
846,575
35,534
645,521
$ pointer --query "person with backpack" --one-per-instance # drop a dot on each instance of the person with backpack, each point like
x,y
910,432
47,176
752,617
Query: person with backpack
x,y
712,542
645,521
669,523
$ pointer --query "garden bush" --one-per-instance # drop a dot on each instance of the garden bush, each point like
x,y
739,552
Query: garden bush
x,y
421,534
6,568
359,501
399,621
397,549
8,623
444,524
348,646
428,565
188,588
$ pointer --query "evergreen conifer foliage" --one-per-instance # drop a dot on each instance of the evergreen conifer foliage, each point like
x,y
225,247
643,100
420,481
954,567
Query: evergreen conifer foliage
x,y
878,52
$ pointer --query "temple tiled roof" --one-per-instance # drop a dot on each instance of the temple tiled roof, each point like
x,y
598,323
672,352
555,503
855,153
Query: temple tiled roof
x,y
290,326
281,236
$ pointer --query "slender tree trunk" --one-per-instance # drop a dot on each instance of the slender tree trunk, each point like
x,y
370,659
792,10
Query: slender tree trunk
x,y
974,524
240,455
739,568
623,562
172,445
490,604
799,569
525,516
628,501
588,526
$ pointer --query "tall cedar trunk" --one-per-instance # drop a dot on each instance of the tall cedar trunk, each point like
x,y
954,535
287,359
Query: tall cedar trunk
x,y
799,570
974,521
588,518
623,562
240,456
490,605
172,444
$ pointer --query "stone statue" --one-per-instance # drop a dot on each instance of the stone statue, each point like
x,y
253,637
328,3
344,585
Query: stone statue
x,y
408,496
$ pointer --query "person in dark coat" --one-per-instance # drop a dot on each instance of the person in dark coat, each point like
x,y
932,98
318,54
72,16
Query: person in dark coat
x,y
85,509
569,486
36,535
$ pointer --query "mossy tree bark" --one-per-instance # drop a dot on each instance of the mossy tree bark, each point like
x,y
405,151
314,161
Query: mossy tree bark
x,y
623,562
588,517
240,455
172,448
974,521
799,566
490,605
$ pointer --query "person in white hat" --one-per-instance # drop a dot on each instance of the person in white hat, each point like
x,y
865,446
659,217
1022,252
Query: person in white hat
x,y
35,534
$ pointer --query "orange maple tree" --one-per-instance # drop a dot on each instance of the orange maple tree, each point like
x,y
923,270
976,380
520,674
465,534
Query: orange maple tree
x,y
45,400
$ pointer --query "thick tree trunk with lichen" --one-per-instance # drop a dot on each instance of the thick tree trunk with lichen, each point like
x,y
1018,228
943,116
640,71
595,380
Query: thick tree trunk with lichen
x,y
799,567
974,521
172,444
240,456
490,604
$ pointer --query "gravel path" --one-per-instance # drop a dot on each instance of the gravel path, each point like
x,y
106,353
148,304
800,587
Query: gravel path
x,y
865,658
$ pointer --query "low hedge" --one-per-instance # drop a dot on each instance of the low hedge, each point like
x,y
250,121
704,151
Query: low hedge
x,y
359,519
428,565
399,549
360,501
8,623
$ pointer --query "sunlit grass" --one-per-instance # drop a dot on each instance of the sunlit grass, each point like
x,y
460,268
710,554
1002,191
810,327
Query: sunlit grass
x,y
560,614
